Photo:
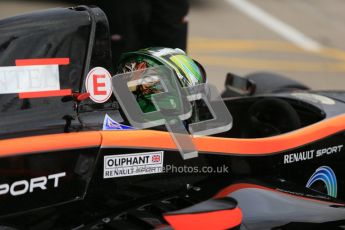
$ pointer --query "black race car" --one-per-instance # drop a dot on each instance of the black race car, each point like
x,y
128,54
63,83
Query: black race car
x,y
279,167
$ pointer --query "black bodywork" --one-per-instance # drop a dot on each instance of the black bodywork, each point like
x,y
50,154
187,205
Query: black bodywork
x,y
270,190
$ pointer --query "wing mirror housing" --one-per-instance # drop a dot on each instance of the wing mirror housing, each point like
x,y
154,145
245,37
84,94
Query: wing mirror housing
x,y
239,85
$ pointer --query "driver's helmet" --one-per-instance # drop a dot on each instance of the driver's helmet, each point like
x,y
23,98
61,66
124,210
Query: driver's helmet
x,y
187,71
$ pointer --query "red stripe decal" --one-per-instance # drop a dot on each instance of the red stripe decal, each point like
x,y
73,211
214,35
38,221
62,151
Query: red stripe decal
x,y
50,93
43,61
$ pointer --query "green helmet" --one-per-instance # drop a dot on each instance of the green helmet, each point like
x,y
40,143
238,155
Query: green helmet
x,y
187,71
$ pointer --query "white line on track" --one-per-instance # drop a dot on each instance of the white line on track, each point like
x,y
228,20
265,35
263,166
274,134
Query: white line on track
x,y
278,26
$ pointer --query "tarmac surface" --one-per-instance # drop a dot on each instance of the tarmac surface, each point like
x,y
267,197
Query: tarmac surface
x,y
303,40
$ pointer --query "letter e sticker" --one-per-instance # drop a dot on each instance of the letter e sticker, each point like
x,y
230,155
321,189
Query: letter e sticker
x,y
98,85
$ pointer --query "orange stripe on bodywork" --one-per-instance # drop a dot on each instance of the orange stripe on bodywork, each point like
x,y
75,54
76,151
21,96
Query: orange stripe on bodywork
x,y
49,143
138,138
214,220
237,187
162,140
256,146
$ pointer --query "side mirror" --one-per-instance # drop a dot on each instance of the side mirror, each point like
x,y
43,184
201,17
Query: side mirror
x,y
240,85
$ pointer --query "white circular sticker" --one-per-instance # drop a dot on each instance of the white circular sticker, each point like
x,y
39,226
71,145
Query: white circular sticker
x,y
98,85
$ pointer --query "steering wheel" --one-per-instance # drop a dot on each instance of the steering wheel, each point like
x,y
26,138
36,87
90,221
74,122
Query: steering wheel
x,y
270,117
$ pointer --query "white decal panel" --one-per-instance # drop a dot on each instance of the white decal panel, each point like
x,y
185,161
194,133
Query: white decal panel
x,y
20,79
133,164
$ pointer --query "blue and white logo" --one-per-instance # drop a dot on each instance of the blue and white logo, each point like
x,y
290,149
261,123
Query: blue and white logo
x,y
110,124
328,177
